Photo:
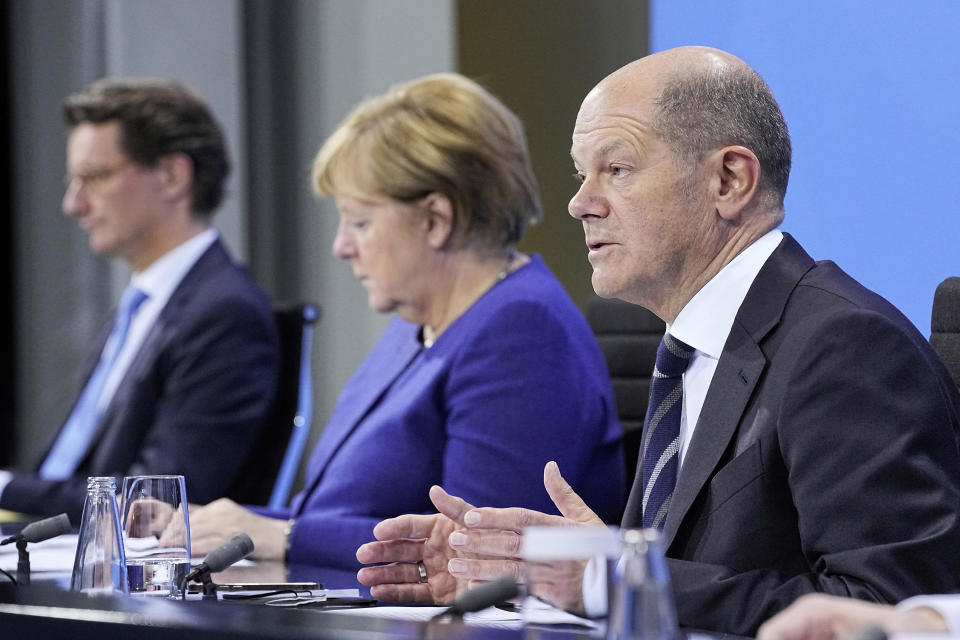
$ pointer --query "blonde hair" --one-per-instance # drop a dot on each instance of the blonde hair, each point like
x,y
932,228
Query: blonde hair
x,y
440,134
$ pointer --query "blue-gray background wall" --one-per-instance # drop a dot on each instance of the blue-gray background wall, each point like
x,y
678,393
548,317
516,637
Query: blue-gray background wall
x,y
870,91
867,89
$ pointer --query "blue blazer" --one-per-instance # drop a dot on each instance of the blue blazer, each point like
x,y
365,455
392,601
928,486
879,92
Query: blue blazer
x,y
516,381
825,458
193,401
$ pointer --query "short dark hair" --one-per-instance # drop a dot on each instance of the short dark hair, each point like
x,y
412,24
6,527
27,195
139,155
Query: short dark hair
x,y
705,109
158,118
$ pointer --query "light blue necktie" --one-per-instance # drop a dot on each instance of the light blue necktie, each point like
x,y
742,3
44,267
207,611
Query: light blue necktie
x,y
74,439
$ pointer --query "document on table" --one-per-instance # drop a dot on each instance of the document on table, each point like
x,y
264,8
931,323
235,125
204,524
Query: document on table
x,y
543,614
57,554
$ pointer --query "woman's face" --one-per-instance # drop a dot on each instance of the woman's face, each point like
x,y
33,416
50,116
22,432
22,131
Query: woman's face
x,y
386,243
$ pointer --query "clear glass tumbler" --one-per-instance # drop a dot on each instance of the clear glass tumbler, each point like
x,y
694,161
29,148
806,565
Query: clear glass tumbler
x,y
156,530
554,560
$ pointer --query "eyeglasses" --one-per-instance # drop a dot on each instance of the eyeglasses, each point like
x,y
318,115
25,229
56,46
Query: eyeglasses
x,y
94,178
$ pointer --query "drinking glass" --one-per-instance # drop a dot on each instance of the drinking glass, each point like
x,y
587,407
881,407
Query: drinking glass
x,y
156,534
641,600
555,555
99,567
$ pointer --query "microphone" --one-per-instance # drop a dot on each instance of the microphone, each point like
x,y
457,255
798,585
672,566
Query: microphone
x,y
871,632
483,596
233,550
35,532
42,530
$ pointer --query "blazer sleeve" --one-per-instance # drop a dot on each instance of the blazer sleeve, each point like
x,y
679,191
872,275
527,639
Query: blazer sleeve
x,y
526,391
866,435
221,381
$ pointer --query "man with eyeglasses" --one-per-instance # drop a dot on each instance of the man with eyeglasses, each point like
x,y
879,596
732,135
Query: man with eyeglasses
x,y
182,378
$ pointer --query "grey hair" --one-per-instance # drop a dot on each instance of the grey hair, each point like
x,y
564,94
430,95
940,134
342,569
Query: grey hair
x,y
732,105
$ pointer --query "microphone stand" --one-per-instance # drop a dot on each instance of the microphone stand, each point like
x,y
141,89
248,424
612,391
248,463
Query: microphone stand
x,y
23,563
209,586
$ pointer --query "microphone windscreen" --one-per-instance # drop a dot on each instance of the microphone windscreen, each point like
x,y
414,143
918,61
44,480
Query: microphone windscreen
x,y
45,529
870,633
233,550
486,595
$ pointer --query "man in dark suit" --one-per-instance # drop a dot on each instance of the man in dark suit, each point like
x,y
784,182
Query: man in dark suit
x,y
181,380
814,432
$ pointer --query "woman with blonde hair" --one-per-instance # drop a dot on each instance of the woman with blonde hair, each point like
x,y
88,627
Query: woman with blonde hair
x,y
487,370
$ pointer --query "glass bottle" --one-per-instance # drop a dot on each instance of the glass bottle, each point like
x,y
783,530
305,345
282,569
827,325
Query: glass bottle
x,y
641,598
100,566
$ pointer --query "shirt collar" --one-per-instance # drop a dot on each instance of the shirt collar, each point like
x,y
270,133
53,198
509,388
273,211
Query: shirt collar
x,y
163,276
705,321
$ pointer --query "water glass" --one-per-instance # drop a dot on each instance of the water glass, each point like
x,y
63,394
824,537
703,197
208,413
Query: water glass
x,y
156,532
641,598
558,556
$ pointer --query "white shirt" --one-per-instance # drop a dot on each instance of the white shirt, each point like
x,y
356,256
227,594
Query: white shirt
x,y
947,606
158,281
704,324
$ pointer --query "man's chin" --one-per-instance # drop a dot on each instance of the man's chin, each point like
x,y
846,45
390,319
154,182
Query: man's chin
x,y
603,286
100,246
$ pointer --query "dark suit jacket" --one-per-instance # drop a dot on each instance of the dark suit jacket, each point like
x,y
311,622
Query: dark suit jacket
x,y
193,400
825,458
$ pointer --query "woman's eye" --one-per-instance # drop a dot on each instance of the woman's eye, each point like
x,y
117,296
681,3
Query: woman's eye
x,y
579,177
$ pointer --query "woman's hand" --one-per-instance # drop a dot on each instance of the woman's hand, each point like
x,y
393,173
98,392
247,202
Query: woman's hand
x,y
217,522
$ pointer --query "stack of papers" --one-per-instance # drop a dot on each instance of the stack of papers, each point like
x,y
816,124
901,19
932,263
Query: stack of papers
x,y
541,614
55,554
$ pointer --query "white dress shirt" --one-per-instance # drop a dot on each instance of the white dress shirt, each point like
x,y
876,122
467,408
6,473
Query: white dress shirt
x,y
158,281
704,324
947,606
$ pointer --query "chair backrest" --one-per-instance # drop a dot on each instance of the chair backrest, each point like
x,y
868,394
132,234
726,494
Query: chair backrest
x,y
628,336
273,465
945,325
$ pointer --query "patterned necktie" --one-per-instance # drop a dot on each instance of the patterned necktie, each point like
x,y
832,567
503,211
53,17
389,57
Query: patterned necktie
x,y
661,441
75,437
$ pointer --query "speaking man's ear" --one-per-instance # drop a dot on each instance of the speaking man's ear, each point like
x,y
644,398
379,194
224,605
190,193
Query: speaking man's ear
x,y
738,178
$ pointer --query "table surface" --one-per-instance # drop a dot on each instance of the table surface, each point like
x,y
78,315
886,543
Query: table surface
x,y
45,610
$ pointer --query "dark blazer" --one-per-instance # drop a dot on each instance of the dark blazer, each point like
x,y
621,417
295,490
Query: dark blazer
x,y
825,458
193,400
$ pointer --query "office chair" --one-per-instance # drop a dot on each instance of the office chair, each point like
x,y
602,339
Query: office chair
x,y
628,336
945,325
268,475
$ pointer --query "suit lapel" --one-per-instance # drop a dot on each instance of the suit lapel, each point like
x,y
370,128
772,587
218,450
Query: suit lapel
x,y
210,262
736,376
740,366
396,350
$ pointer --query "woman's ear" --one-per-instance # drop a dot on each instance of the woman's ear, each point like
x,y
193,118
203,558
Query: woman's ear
x,y
439,220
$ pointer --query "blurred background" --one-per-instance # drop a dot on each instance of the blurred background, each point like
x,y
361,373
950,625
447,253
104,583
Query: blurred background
x,y
867,90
